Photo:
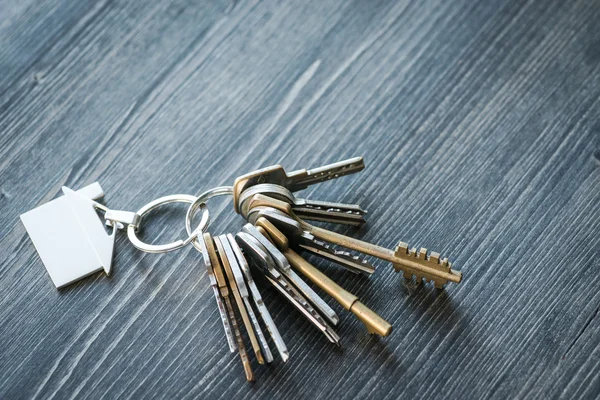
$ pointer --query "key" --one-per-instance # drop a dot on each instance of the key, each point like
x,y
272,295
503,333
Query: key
x,y
214,259
201,246
258,301
293,230
411,262
284,267
295,180
338,213
374,323
263,260
259,201
221,243
280,216
243,290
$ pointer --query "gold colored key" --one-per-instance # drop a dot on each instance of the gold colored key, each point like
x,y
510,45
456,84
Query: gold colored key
x,y
411,262
214,259
225,262
374,323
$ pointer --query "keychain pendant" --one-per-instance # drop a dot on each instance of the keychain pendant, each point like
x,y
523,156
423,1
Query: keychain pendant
x,y
70,236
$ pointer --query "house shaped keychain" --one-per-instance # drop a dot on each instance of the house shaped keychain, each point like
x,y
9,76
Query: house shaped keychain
x,y
69,235
72,239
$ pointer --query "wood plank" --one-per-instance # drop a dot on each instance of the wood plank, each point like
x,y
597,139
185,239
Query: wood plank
x,y
478,125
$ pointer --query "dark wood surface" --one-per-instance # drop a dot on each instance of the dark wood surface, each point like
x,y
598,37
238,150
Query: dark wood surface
x,y
479,126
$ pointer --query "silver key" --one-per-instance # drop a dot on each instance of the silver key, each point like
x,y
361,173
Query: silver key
x,y
243,290
260,305
295,233
263,260
302,178
295,180
284,267
226,294
338,213
200,245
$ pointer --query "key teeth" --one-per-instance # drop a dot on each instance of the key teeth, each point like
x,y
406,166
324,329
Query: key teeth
x,y
420,256
342,253
402,250
334,210
439,284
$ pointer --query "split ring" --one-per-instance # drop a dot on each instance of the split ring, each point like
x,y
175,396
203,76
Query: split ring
x,y
199,202
163,248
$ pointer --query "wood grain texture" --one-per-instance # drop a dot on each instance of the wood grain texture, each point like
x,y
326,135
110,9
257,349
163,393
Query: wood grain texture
x,y
479,125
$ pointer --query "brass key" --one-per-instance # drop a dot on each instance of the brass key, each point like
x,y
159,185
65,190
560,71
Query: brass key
x,y
374,323
411,262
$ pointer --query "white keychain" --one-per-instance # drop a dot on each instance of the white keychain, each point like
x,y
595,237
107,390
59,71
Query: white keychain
x,y
72,240
70,237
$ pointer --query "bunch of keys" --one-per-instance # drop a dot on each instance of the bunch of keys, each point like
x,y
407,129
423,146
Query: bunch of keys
x,y
72,243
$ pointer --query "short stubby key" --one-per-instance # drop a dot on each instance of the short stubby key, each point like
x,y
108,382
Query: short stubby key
x,y
295,180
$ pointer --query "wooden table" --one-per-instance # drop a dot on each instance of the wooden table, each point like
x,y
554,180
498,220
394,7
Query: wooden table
x,y
479,126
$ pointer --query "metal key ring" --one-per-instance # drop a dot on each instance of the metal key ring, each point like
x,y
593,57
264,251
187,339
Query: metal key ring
x,y
199,202
163,248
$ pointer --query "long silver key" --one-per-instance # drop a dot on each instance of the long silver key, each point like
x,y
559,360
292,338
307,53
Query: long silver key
x,y
324,211
258,301
295,233
295,180
201,247
263,260
243,292
284,267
